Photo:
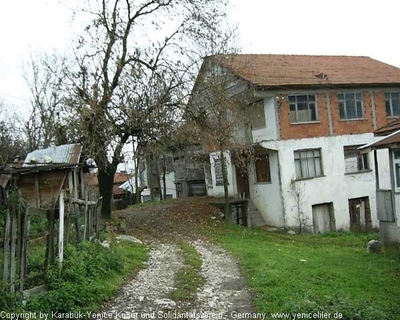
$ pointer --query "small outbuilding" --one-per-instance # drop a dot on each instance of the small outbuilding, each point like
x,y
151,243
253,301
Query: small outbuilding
x,y
388,200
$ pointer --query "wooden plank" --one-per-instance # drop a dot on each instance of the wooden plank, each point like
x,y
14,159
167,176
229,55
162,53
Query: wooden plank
x,y
61,229
49,259
75,194
37,192
6,246
14,247
70,205
98,213
24,250
61,186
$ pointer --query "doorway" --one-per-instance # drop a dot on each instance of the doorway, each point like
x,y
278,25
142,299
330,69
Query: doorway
x,y
242,183
360,214
323,218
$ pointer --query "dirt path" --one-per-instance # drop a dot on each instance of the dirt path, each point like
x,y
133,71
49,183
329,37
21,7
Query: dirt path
x,y
148,296
225,290
148,293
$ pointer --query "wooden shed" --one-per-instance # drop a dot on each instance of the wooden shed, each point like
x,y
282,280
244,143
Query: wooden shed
x,y
49,184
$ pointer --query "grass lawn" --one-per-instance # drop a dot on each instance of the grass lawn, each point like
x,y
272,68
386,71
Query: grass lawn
x,y
311,273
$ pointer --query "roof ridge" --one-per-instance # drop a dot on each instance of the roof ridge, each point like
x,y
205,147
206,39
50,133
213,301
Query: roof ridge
x,y
291,55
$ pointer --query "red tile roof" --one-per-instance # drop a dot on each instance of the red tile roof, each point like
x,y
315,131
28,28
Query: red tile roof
x,y
388,128
119,178
271,70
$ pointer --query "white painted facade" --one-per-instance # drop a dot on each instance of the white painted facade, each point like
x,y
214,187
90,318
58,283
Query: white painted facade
x,y
276,201
215,190
334,187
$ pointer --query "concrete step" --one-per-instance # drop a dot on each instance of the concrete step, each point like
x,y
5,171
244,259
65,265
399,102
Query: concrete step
x,y
254,217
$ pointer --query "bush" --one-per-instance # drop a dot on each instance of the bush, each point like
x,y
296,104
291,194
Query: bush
x,y
82,281
8,301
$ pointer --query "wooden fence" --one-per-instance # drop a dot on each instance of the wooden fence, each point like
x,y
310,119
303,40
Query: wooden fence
x,y
72,221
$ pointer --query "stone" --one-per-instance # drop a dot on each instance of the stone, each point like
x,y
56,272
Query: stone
x,y
374,246
165,303
105,244
291,232
128,238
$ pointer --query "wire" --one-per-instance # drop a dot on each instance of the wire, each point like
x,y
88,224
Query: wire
x,y
14,97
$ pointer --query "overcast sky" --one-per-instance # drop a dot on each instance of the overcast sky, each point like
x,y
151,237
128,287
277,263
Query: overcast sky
x,y
351,27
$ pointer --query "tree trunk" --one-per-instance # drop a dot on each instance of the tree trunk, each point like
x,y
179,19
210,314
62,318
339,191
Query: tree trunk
x,y
164,180
225,179
106,183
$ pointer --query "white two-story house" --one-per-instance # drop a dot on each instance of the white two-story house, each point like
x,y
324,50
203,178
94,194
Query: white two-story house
x,y
308,115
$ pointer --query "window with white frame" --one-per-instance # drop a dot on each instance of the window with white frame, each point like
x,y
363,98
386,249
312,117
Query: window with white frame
x,y
303,108
351,106
396,164
392,103
354,161
308,163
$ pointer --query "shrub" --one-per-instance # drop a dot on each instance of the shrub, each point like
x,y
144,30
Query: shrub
x,y
81,282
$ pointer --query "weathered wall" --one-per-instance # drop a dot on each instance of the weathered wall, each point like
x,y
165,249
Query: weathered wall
x,y
218,191
270,131
267,195
334,186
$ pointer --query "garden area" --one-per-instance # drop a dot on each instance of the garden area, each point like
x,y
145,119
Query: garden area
x,y
285,273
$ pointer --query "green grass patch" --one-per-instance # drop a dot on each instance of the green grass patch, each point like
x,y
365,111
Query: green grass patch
x,y
188,278
311,273
90,275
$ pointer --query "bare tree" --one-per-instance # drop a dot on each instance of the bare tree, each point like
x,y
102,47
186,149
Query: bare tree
x,y
139,45
49,122
218,109
298,192
11,140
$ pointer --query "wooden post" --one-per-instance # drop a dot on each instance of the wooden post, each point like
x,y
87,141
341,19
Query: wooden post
x,y
76,207
24,249
15,227
50,238
98,213
6,246
61,230
37,192
86,234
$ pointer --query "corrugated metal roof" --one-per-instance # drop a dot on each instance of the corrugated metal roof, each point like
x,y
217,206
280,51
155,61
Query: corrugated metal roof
x,y
68,154
271,70
392,141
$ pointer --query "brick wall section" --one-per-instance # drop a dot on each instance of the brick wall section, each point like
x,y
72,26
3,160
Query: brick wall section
x,y
381,118
352,126
303,130
340,127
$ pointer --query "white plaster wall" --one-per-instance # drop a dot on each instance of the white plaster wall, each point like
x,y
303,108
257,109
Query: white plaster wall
x,y
170,184
397,208
384,168
169,181
267,196
218,191
334,186
270,132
